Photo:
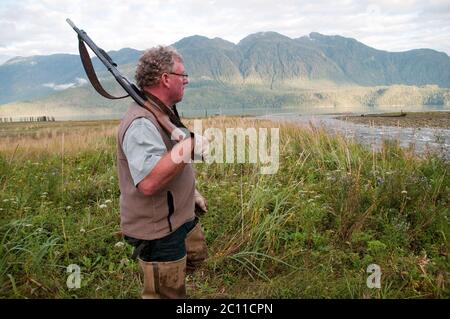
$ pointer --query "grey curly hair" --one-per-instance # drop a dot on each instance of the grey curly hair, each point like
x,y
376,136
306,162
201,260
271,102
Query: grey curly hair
x,y
153,63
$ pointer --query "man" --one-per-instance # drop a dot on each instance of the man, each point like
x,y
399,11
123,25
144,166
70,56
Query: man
x,y
158,194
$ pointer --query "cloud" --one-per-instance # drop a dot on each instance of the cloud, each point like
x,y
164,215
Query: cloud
x,y
29,27
60,87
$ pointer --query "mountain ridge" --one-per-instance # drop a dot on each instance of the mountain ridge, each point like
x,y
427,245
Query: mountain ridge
x,y
267,60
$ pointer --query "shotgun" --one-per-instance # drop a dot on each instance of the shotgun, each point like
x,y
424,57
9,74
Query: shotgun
x,y
133,91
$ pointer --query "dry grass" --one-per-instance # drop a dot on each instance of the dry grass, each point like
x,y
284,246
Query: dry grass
x,y
22,140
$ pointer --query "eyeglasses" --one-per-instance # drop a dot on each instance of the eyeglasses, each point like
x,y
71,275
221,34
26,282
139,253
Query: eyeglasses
x,y
180,74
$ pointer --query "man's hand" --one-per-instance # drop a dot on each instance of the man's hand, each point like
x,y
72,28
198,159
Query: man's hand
x,y
200,203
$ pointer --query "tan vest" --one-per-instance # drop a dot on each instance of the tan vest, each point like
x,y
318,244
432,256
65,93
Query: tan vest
x,y
152,217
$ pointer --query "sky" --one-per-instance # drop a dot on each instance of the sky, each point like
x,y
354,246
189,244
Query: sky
x,y
32,27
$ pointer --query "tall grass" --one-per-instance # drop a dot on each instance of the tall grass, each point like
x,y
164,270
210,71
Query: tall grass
x,y
311,230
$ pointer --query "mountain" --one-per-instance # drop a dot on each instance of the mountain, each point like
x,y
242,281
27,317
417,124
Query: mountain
x,y
26,78
210,59
37,76
262,62
271,59
364,65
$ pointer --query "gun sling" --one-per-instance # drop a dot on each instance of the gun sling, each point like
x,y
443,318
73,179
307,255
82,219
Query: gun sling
x,y
89,68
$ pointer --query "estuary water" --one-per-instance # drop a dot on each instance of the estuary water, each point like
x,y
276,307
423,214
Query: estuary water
x,y
260,111
423,139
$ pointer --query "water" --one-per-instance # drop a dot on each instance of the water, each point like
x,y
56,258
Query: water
x,y
308,110
259,111
423,139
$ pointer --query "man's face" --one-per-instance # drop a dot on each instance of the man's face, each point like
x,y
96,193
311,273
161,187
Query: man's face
x,y
177,82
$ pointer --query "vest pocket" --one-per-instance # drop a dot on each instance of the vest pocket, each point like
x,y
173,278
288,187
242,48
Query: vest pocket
x,y
171,206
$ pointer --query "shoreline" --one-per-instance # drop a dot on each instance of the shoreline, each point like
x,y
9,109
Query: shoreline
x,y
433,119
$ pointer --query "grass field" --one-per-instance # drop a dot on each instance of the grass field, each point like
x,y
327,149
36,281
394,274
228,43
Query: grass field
x,y
309,231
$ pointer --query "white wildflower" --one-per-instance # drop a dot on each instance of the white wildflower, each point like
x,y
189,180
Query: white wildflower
x,y
108,201
102,206
68,207
119,244
404,192
82,230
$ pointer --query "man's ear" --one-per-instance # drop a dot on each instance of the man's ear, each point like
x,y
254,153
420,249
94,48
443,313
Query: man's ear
x,y
165,80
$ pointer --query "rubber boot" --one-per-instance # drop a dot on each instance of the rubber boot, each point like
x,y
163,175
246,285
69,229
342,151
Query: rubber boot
x,y
196,248
164,280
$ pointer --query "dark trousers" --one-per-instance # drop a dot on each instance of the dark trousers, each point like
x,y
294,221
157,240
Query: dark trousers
x,y
169,248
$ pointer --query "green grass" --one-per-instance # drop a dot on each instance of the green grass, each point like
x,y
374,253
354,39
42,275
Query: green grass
x,y
309,231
